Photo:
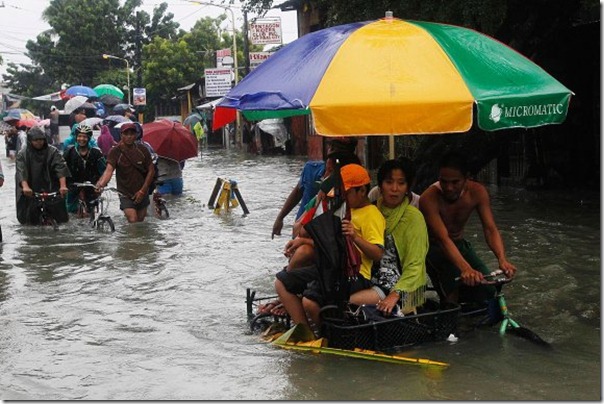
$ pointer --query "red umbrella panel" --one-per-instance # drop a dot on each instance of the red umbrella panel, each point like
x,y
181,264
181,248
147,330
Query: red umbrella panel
x,y
28,123
170,139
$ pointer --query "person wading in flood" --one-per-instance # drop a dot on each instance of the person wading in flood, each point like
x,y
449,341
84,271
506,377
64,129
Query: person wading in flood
x,y
134,173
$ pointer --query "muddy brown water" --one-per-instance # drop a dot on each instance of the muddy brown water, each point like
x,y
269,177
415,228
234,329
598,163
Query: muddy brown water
x,y
156,311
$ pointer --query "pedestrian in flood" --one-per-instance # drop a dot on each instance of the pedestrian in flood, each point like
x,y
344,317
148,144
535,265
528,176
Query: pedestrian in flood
x,y
134,173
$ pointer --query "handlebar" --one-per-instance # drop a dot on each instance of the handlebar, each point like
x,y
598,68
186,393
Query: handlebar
x,y
45,195
494,278
84,184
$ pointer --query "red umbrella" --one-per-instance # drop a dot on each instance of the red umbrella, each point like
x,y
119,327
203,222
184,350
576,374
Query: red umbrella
x,y
170,139
27,123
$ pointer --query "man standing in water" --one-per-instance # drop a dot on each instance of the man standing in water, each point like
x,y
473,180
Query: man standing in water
x,y
447,205
134,173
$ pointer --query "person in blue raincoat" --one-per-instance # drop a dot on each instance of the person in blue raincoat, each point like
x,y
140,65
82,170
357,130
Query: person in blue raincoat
x,y
78,116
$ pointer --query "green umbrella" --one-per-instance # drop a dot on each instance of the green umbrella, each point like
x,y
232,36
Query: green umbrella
x,y
109,89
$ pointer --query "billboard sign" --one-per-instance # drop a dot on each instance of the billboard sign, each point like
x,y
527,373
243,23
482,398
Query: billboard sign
x,y
266,31
218,81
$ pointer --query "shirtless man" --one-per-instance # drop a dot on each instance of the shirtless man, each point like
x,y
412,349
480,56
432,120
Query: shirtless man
x,y
447,205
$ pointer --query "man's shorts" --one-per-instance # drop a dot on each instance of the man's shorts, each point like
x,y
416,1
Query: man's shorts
x,y
443,273
127,203
305,281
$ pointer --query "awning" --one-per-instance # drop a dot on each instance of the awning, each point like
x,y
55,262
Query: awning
x,y
49,97
186,88
209,105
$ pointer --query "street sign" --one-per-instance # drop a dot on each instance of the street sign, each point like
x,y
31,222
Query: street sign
x,y
140,96
218,81
266,31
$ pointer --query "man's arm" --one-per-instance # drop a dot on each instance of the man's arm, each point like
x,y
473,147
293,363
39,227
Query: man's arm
x,y
428,204
295,196
491,233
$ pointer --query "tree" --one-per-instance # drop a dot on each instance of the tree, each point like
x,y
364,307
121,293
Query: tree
x,y
71,51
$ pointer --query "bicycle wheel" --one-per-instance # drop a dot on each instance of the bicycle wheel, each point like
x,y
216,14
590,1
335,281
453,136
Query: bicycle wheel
x,y
50,221
163,211
102,221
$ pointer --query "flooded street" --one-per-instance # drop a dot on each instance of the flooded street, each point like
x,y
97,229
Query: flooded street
x,y
156,310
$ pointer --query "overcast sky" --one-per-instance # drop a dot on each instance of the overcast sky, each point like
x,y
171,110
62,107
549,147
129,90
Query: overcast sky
x,y
21,20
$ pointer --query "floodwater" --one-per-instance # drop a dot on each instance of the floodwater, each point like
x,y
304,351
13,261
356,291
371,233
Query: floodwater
x,y
156,310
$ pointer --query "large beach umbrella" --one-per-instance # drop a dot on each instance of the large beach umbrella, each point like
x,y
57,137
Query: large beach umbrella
x,y
397,77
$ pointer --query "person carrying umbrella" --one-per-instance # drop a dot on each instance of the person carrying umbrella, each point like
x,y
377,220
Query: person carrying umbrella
x,y
134,173
365,228
54,124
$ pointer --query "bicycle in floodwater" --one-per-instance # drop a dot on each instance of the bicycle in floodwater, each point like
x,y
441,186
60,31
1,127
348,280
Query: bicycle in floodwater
x,y
96,208
42,200
160,204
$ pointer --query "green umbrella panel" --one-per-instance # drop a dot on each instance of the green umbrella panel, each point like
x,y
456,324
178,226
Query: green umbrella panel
x,y
109,89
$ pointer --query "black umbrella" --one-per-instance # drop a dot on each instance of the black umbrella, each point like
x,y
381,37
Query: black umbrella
x,y
330,249
110,100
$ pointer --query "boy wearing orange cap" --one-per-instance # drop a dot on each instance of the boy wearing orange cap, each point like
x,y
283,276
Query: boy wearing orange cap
x,y
366,229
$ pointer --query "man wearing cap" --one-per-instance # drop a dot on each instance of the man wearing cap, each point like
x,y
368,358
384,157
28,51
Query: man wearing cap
x,y
40,167
134,173
126,110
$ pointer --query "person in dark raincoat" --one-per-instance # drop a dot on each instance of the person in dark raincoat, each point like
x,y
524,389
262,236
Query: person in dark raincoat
x,y
40,167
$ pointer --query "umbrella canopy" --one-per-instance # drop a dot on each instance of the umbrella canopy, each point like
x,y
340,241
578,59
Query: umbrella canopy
x,y
170,139
81,90
44,122
121,108
192,119
92,121
109,89
75,103
16,114
109,99
396,77
28,123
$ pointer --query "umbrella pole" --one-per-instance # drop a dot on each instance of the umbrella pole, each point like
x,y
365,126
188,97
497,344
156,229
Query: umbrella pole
x,y
391,147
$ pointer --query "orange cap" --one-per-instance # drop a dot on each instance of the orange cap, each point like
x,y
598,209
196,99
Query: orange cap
x,y
354,175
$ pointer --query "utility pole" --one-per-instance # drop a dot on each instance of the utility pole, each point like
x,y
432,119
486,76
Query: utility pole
x,y
246,43
139,52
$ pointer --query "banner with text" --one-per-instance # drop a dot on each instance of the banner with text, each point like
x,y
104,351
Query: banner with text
x,y
218,82
258,57
266,31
